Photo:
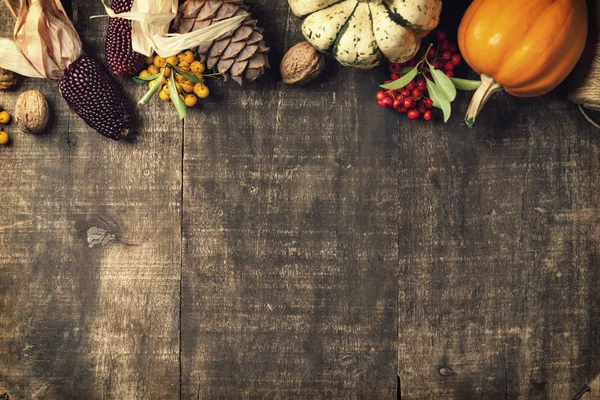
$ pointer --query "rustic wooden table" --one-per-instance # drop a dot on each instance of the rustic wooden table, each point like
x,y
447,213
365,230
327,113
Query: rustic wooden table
x,y
290,242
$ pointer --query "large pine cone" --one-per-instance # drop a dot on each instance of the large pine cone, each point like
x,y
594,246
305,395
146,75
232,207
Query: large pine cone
x,y
241,54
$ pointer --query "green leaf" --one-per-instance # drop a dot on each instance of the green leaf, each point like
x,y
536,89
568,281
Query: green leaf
x,y
439,101
400,83
465,84
187,75
152,90
142,79
444,83
177,102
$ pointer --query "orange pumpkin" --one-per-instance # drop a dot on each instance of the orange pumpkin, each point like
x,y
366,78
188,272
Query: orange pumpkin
x,y
526,47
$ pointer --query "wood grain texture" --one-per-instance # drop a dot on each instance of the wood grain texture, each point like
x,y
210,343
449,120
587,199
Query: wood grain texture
x,y
290,238
81,322
316,246
499,290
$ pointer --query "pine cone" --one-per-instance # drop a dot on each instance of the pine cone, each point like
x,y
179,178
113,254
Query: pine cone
x,y
241,54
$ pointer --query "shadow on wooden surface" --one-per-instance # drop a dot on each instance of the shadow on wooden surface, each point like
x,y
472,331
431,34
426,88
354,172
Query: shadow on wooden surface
x,y
301,242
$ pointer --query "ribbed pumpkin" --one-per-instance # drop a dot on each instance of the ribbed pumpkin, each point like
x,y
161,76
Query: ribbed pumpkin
x,y
361,32
526,47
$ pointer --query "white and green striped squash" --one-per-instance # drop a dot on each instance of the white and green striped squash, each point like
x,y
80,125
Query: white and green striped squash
x,y
361,32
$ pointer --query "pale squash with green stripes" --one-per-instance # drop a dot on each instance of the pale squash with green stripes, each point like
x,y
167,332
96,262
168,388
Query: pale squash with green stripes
x,y
360,33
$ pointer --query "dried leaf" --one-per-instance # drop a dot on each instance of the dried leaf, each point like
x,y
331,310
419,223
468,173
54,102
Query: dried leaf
x,y
45,38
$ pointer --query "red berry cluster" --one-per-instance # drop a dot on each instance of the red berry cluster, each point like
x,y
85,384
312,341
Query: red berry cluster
x,y
413,98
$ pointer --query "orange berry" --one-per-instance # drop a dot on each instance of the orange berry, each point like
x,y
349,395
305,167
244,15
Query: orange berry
x,y
159,61
188,57
180,78
4,117
190,100
164,96
197,67
201,90
187,87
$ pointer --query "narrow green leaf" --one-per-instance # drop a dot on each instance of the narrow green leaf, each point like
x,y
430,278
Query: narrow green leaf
x,y
465,84
438,100
186,75
445,85
406,70
152,90
400,83
140,79
177,102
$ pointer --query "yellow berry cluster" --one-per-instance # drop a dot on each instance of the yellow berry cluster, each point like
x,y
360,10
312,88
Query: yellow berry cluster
x,y
188,91
4,119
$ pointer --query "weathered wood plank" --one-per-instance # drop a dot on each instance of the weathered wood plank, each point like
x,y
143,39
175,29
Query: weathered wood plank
x,y
499,293
292,200
81,322
290,244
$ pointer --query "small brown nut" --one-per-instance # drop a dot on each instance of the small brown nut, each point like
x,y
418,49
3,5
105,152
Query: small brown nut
x,y
32,112
8,79
301,64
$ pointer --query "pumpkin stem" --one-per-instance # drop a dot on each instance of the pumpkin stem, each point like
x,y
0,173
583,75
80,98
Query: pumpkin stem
x,y
482,95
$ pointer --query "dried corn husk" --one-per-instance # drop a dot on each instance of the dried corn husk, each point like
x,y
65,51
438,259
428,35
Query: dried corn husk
x,y
585,81
150,27
45,41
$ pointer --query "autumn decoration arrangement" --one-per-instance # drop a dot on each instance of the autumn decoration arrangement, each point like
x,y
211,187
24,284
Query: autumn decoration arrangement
x,y
83,81
142,35
172,50
361,33
240,54
518,47
425,81
513,45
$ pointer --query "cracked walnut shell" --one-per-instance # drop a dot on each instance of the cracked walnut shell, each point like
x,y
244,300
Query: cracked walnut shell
x,y
8,79
301,64
32,112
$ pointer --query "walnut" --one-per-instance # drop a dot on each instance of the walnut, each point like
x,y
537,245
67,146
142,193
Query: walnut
x,y
301,64
8,79
32,112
